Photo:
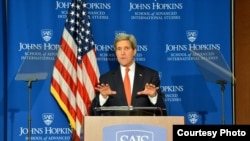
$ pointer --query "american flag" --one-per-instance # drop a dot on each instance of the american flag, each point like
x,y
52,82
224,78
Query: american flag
x,y
75,72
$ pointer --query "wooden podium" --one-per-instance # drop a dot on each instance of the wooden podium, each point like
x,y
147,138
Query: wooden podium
x,y
93,125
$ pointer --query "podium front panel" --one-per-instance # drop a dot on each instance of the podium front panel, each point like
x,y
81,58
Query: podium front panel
x,y
94,125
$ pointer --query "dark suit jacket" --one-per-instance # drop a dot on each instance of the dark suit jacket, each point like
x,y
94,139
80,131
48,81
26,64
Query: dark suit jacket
x,y
142,76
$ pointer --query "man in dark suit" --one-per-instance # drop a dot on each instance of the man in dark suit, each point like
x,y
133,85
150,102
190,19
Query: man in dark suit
x,y
145,82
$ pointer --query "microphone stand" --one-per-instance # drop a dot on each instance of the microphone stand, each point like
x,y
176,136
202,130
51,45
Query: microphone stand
x,y
29,106
222,85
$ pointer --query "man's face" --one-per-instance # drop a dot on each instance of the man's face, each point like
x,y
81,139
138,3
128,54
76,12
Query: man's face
x,y
125,53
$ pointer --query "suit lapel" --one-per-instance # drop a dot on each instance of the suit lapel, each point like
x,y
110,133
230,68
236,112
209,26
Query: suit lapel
x,y
119,85
138,80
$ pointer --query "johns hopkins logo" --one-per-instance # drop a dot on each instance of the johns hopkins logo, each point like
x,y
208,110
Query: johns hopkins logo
x,y
48,118
119,31
46,34
193,117
192,35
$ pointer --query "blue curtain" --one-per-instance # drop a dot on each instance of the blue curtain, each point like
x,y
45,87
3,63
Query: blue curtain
x,y
165,31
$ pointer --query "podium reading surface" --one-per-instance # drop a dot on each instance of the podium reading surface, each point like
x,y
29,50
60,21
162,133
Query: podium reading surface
x,y
94,125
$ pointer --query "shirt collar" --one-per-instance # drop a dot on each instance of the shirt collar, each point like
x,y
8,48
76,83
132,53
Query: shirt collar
x,y
132,67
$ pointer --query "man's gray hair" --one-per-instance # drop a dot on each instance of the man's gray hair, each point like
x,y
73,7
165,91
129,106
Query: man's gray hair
x,y
125,36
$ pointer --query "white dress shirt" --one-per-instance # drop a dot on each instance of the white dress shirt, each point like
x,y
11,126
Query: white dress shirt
x,y
131,78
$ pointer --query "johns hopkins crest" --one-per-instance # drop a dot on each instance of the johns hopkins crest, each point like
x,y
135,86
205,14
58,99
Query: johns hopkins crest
x,y
193,117
48,118
192,35
46,34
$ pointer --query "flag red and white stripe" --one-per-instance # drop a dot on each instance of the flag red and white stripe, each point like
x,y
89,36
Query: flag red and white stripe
x,y
75,72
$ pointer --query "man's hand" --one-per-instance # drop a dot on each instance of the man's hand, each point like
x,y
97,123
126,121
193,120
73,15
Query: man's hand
x,y
105,90
150,90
